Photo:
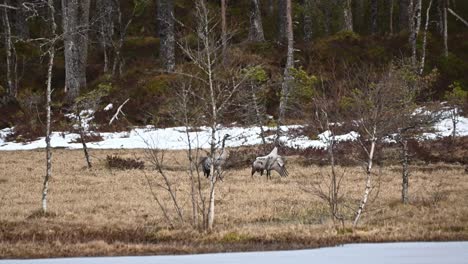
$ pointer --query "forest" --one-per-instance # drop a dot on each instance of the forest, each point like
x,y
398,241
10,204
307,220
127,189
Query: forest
x,y
175,126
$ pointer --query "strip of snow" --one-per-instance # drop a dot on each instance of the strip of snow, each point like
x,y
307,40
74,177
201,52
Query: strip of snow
x,y
389,253
175,137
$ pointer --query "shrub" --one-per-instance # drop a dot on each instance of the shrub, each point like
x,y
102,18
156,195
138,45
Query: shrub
x,y
116,162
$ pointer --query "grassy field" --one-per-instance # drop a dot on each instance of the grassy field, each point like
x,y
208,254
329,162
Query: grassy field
x,y
109,212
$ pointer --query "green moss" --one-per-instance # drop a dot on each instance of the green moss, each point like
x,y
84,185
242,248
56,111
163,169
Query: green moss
x,y
234,237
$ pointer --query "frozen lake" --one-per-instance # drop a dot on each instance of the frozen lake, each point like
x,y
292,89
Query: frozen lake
x,y
401,253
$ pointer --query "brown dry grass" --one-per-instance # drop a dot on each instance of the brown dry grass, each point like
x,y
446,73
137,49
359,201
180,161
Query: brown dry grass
x,y
103,212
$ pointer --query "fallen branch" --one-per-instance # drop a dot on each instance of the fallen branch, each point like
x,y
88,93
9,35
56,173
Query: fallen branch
x,y
119,110
457,16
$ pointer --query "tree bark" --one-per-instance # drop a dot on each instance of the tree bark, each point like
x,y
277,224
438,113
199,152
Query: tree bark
x,y
445,27
426,27
390,15
414,30
223,29
308,22
374,16
21,24
256,27
166,34
282,21
51,53
10,51
106,12
405,170
368,187
287,79
75,14
347,15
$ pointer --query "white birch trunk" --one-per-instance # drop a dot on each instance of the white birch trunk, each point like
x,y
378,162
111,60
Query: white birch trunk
x,y
368,187
45,188
426,26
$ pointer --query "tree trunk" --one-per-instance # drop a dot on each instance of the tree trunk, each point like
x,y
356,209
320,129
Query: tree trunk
x,y
83,141
308,22
405,170
347,15
106,12
75,14
445,27
223,28
414,30
426,27
271,7
374,15
404,14
390,15
282,20
21,24
367,190
256,27
166,34
45,187
10,51
287,79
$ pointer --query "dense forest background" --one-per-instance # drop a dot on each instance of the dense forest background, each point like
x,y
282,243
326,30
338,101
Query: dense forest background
x,y
126,45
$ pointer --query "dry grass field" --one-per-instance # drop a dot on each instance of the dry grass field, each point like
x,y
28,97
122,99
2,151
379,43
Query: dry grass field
x,y
110,212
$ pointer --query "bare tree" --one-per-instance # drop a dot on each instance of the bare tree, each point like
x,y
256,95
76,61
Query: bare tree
x,y
51,54
256,27
105,22
385,99
217,84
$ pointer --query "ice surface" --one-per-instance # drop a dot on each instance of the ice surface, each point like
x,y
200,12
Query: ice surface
x,y
385,253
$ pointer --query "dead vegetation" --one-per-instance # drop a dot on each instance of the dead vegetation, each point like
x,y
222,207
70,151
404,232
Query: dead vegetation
x,y
112,212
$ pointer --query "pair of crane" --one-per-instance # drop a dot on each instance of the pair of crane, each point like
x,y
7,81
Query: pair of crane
x,y
268,163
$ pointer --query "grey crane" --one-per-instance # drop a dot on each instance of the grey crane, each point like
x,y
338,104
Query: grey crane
x,y
270,162
220,159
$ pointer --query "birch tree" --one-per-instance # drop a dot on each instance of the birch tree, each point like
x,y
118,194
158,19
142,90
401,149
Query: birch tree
x,y
287,77
217,85
51,55
375,103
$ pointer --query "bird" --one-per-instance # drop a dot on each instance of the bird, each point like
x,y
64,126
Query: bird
x,y
270,162
220,159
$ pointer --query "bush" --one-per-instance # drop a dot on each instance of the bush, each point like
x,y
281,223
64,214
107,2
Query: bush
x,y
116,162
